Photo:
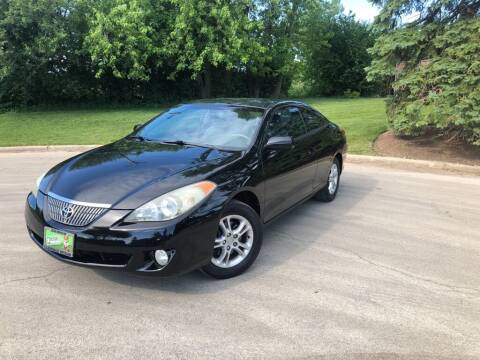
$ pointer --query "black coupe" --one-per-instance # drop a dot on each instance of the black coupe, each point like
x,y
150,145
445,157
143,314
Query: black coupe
x,y
192,188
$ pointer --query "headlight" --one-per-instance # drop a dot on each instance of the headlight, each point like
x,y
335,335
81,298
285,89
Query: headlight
x,y
37,185
172,204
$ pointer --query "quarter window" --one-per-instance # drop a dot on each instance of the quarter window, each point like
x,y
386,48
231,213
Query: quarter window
x,y
313,121
286,122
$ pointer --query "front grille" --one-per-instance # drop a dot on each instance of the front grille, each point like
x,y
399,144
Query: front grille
x,y
73,214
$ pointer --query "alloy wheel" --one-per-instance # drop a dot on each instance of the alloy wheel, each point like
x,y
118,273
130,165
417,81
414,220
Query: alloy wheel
x,y
333,179
233,242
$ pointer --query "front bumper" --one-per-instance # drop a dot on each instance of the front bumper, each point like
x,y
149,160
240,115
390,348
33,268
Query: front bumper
x,y
107,244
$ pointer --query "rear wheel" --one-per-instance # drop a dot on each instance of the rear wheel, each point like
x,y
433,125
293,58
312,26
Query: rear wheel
x,y
329,192
237,243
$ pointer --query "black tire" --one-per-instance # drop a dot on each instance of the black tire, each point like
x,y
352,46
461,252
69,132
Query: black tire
x,y
241,209
324,194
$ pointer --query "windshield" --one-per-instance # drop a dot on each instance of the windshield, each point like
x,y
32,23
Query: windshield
x,y
222,126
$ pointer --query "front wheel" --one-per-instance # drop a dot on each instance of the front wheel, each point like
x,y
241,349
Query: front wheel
x,y
329,192
237,243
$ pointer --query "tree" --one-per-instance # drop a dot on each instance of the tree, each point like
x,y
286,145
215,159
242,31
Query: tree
x,y
280,33
41,47
434,62
120,38
54,51
126,37
335,52
211,33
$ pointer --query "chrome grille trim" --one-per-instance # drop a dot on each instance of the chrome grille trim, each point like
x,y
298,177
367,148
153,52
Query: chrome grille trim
x,y
70,201
73,213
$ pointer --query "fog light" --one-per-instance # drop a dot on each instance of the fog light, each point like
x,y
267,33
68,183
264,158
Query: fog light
x,y
161,257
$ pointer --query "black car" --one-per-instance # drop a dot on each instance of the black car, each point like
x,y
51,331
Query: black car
x,y
190,189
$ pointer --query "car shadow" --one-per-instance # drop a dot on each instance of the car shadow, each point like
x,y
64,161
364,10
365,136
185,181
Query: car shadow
x,y
287,237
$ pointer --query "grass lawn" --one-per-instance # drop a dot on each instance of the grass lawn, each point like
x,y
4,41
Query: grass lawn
x,y
70,127
363,120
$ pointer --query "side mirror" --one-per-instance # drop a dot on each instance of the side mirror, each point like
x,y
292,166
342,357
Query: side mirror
x,y
279,142
137,126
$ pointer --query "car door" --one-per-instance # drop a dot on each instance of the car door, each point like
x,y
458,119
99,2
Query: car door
x,y
319,139
289,172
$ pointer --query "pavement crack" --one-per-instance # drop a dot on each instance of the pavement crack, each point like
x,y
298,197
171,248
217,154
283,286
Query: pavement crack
x,y
460,289
44,276
467,291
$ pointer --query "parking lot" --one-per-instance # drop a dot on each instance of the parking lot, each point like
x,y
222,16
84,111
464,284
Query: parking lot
x,y
389,270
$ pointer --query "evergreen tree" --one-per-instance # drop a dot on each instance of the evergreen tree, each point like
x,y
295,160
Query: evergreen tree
x,y
430,50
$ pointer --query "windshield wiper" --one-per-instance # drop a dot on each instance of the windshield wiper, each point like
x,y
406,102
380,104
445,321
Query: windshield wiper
x,y
185,143
176,142
138,137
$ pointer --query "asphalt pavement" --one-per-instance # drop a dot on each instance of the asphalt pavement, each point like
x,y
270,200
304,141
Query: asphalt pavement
x,y
389,270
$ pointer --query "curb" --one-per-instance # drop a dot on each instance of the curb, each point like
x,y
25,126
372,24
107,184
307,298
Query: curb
x,y
385,161
411,164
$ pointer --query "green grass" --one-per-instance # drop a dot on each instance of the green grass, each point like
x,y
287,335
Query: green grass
x,y
67,127
363,120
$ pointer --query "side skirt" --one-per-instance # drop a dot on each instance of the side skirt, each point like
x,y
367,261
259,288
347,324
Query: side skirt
x,y
291,207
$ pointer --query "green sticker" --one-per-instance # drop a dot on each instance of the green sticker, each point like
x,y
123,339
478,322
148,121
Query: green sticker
x,y
58,241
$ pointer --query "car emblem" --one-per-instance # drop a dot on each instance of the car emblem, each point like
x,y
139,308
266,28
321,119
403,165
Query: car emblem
x,y
67,212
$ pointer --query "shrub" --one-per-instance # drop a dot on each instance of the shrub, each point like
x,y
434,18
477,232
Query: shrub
x,y
438,82
351,94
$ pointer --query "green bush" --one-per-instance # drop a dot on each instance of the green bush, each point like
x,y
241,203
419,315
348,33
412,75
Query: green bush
x,y
299,89
435,68
444,93
349,94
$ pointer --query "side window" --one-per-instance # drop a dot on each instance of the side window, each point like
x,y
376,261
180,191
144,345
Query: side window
x,y
313,121
286,122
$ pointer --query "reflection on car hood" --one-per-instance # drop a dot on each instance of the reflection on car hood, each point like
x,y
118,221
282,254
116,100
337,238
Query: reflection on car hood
x,y
112,172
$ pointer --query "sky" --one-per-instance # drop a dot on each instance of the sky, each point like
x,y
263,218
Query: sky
x,y
362,9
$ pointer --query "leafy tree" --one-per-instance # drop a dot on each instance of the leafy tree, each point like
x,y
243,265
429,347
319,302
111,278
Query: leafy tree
x,y
211,33
40,48
281,21
434,62
126,37
336,52
55,51
120,38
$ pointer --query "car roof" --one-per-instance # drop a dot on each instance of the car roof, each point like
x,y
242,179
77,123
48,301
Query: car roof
x,y
264,104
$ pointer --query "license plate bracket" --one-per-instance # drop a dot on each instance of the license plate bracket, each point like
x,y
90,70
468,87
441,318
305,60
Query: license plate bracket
x,y
58,241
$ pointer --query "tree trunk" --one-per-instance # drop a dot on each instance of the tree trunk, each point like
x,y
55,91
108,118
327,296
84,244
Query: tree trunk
x,y
254,82
205,82
278,87
228,86
256,90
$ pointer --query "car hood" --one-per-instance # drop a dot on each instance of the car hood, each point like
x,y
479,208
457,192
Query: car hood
x,y
112,173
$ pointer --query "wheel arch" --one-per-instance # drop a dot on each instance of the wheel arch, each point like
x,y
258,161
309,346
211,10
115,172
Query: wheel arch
x,y
250,198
